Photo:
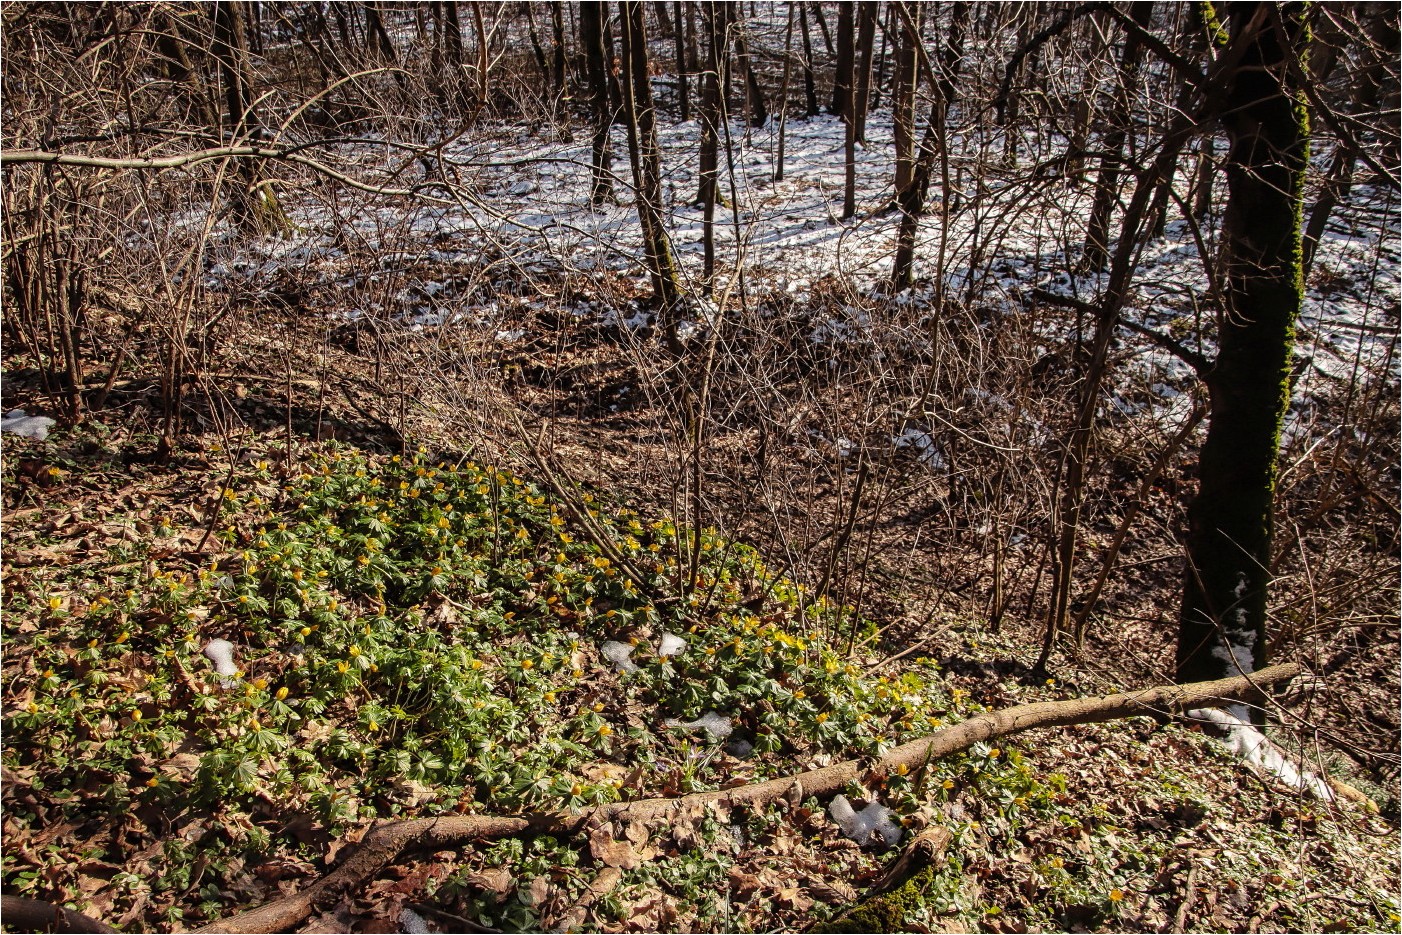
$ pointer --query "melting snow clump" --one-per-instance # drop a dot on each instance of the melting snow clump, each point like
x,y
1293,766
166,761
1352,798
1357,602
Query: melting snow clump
x,y
671,645
618,654
18,422
413,923
872,825
930,454
1249,744
718,727
221,653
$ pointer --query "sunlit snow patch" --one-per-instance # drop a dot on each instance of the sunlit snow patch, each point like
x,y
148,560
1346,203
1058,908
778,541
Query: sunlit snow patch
x,y
919,439
619,654
671,645
1249,744
221,653
412,923
872,825
718,727
18,422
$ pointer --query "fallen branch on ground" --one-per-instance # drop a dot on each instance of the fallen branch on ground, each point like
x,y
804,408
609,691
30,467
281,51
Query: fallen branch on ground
x,y
32,915
384,843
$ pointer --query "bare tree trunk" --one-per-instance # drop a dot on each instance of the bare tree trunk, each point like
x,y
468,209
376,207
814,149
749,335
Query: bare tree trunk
x,y
536,48
558,53
1202,184
611,71
784,95
717,21
591,39
679,41
756,110
903,96
846,59
380,41
1107,186
646,159
822,22
867,12
810,90
857,98
912,199
453,34
256,207
664,19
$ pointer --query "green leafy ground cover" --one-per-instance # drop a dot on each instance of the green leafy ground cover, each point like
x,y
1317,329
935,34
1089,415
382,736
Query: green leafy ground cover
x,y
422,635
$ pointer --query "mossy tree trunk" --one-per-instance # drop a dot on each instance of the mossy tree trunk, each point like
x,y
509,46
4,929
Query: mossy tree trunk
x,y
1223,617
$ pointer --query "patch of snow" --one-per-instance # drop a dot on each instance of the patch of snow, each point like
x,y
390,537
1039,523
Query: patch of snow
x,y
221,653
872,826
718,727
671,645
18,422
620,654
920,439
412,923
1249,744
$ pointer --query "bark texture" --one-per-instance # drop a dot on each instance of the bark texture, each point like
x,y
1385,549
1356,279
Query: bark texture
x,y
1222,625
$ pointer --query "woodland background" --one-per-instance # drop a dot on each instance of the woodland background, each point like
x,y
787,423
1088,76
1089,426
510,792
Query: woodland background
x,y
923,302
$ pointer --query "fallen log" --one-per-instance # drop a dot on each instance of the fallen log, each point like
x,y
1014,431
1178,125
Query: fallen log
x,y
385,842
33,915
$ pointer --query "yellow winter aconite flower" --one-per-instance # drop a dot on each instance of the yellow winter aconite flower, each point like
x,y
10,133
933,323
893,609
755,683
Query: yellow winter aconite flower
x,y
282,693
1116,895
136,716
605,730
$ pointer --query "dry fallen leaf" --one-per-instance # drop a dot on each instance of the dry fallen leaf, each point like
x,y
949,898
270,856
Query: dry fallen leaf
x,y
495,882
612,853
537,893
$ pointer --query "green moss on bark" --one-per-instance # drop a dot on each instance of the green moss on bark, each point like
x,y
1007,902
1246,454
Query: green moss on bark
x,y
1230,522
887,912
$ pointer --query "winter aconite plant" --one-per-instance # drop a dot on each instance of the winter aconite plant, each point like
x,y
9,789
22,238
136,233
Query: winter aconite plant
x,y
408,636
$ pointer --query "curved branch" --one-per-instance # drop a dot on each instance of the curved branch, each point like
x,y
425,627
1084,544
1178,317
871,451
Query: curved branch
x,y
384,843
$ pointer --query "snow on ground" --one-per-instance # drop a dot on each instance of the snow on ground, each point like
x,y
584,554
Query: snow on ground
x,y
521,213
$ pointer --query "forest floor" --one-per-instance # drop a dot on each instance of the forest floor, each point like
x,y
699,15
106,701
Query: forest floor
x,y
423,623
